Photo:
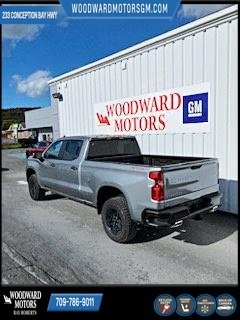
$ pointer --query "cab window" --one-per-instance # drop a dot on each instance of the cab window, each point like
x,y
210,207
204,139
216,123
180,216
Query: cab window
x,y
54,151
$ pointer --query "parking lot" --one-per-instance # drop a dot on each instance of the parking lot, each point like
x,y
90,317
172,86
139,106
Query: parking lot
x,y
59,241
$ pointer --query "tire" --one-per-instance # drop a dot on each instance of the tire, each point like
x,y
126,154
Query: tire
x,y
35,191
117,221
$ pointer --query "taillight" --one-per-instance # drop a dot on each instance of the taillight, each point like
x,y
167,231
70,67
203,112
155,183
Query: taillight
x,y
157,191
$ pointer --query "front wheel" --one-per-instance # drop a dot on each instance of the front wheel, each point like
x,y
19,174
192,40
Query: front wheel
x,y
36,192
117,221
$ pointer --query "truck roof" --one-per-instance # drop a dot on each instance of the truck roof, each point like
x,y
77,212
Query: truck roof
x,y
91,137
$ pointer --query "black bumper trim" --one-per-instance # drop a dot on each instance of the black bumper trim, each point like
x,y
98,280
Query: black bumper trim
x,y
171,216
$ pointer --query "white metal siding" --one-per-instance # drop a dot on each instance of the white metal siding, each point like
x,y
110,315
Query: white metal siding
x,y
39,118
203,51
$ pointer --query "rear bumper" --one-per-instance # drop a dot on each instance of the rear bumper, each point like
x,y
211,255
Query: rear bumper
x,y
174,216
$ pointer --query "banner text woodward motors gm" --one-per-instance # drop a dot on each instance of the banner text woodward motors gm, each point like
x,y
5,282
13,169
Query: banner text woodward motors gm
x,y
119,8
25,299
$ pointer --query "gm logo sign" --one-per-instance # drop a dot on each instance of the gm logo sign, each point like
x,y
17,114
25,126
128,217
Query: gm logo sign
x,y
195,108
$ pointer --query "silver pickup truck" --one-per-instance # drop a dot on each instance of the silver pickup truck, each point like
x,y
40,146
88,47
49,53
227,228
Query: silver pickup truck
x,y
128,188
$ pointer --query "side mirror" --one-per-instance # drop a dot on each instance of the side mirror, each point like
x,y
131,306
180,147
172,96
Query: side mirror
x,y
38,155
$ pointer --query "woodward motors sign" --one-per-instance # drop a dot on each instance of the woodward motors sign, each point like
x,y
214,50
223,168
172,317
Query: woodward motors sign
x,y
23,302
180,110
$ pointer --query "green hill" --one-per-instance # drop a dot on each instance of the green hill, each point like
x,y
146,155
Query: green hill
x,y
14,115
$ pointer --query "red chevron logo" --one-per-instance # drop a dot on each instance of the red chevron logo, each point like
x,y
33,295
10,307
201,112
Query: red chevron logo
x,y
103,120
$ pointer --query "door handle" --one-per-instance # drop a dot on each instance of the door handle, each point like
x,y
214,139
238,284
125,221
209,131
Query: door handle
x,y
52,165
74,167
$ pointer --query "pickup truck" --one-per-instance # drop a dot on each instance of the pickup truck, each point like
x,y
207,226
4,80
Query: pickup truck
x,y
129,189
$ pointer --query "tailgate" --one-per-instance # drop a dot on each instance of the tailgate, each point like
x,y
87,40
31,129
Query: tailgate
x,y
190,177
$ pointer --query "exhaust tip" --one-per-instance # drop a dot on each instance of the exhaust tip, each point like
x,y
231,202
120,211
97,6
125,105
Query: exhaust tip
x,y
177,224
214,209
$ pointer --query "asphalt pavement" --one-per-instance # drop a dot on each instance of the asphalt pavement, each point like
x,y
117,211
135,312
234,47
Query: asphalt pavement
x,y
59,241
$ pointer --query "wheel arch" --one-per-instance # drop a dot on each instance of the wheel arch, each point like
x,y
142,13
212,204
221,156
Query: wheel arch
x,y
106,192
29,172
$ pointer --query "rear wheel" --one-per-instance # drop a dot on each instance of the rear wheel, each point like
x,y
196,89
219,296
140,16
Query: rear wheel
x,y
117,221
36,192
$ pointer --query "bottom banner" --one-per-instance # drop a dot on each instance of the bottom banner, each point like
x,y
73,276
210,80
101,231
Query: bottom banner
x,y
109,302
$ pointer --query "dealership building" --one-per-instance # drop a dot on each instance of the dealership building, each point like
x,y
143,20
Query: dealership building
x,y
177,93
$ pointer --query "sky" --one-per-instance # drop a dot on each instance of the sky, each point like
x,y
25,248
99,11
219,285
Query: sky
x,y
34,54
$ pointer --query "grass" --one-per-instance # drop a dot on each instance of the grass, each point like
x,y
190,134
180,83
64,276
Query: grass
x,y
11,145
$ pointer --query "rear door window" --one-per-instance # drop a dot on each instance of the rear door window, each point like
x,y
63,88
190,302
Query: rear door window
x,y
71,149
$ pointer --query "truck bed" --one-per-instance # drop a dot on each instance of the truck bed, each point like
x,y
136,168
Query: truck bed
x,y
149,160
183,175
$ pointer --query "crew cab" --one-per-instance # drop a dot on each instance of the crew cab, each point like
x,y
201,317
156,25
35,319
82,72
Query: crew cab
x,y
126,187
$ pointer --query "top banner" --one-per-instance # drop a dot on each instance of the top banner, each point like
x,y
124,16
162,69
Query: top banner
x,y
11,14
120,8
